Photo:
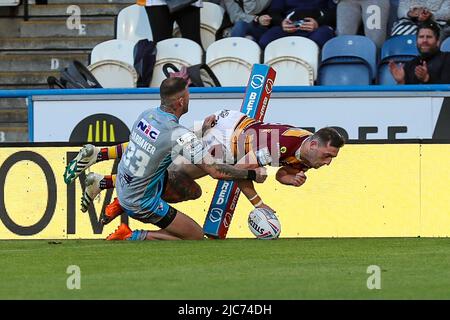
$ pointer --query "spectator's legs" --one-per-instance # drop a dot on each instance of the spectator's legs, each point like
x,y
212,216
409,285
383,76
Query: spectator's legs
x,y
189,22
375,18
240,29
321,35
272,34
160,22
393,11
348,17
256,31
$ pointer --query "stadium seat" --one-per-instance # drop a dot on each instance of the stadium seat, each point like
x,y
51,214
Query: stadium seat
x,y
295,59
178,51
348,60
211,16
120,50
133,24
231,60
400,49
445,46
114,74
347,48
384,75
399,46
345,74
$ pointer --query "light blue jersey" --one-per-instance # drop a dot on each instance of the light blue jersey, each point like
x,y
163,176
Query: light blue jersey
x,y
156,140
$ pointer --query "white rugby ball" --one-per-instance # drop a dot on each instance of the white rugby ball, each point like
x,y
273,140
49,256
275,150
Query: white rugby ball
x,y
264,224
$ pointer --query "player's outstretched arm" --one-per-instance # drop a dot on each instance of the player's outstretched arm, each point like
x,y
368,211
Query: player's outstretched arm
x,y
228,172
291,176
248,189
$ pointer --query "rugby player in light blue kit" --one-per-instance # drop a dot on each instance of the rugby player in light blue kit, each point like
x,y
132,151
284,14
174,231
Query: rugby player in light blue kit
x,y
156,140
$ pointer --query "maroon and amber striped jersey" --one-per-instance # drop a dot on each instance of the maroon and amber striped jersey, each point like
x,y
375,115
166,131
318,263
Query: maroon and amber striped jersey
x,y
282,142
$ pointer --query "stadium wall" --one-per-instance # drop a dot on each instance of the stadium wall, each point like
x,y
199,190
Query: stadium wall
x,y
375,189
359,112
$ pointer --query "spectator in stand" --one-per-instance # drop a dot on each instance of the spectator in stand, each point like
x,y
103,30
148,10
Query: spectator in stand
x,y
250,18
411,13
373,13
161,20
313,19
431,66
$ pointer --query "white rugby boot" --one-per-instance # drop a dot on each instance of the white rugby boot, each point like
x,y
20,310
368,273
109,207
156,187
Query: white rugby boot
x,y
91,190
85,158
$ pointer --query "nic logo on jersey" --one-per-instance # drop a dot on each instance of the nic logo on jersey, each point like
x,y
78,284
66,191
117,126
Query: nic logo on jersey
x,y
148,130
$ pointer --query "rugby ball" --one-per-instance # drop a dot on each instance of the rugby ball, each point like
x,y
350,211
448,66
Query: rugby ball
x,y
264,224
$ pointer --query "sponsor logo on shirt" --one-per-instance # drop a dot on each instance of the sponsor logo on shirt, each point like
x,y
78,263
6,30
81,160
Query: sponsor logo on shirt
x,y
148,130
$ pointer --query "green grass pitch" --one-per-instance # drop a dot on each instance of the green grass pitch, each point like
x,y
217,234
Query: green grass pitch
x,y
411,268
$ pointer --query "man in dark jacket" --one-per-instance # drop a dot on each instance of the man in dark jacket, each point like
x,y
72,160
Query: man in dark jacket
x,y
431,66
313,19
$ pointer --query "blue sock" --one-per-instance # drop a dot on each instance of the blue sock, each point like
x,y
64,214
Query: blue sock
x,y
138,235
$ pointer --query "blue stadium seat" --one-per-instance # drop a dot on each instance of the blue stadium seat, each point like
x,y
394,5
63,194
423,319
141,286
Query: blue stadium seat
x,y
403,47
399,49
445,45
384,75
348,60
345,73
350,47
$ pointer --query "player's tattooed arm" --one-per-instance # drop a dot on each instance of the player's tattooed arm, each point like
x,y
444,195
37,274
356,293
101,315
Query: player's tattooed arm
x,y
227,172
291,176
180,187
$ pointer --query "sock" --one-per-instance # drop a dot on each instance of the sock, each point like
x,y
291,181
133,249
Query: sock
x,y
114,152
102,155
108,182
138,235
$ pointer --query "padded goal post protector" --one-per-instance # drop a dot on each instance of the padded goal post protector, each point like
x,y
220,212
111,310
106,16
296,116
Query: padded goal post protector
x,y
226,194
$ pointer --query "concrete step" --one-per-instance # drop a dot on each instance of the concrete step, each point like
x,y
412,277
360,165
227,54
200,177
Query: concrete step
x,y
62,27
25,78
40,61
52,43
13,103
13,132
23,86
67,9
10,115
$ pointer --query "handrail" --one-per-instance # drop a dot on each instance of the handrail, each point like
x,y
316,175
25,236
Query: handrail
x,y
20,93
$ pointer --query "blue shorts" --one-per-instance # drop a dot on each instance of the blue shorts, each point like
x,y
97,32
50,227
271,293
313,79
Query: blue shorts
x,y
153,209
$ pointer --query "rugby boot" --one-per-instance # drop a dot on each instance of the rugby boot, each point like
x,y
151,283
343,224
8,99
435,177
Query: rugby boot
x,y
123,232
112,211
85,158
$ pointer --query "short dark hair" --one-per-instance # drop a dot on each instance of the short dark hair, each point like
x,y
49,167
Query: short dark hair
x,y
330,135
433,26
171,86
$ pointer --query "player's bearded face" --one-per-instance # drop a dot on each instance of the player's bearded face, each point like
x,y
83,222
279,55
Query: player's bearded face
x,y
321,154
